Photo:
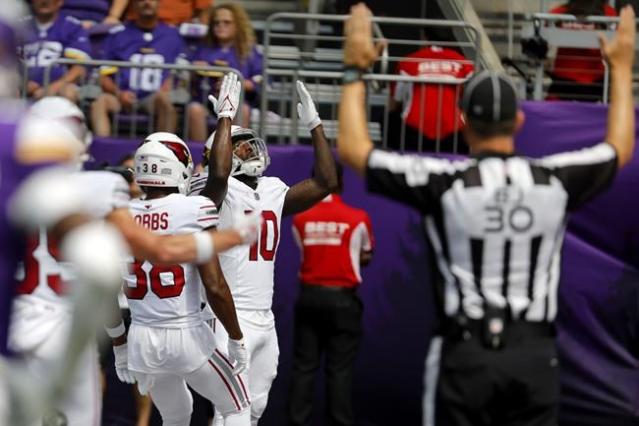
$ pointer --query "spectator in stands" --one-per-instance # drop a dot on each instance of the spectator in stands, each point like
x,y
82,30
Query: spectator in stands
x,y
430,110
92,12
176,12
578,73
230,43
145,41
52,36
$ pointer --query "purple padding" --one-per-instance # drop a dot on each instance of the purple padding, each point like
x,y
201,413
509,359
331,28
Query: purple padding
x,y
599,294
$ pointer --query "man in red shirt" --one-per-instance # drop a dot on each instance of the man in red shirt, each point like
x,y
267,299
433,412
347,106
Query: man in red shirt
x,y
578,73
335,240
431,108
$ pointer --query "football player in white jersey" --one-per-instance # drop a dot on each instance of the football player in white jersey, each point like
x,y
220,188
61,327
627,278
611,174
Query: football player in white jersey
x,y
169,345
234,182
41,315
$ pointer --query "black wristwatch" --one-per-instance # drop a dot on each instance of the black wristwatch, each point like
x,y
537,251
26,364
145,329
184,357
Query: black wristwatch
x,y
352,75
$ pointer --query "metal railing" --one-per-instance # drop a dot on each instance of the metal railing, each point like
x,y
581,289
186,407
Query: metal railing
x,y
544,26
181,94
287,57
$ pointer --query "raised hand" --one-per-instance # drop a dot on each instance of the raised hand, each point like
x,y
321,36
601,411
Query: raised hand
x,y
306,110
359,50
227,102
620,51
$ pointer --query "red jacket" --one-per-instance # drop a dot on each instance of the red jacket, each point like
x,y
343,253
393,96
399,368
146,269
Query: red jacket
x,y
421,100
331,236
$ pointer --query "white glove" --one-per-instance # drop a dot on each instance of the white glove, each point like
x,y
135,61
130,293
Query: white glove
x,y
238,355
248,226
306,108
228,99
122,364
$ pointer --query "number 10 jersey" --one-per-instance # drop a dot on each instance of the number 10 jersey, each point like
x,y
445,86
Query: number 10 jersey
x,y
249,271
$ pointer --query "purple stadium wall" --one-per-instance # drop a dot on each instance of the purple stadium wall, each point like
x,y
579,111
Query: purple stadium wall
x,y
599,293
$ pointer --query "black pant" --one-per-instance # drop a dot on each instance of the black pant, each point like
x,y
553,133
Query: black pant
x,y
326,320
517,385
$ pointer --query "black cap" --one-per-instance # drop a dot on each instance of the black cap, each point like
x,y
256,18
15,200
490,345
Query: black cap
x,y
489,97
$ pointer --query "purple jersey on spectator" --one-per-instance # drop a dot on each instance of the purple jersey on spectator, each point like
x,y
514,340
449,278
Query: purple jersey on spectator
x,y
87,10
250,68
130,43
64,38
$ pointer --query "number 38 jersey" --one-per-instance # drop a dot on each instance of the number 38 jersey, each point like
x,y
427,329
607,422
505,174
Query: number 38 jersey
x,y
249,271
168,295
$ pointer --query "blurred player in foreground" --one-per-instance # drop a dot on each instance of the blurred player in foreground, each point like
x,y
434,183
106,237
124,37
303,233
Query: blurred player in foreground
x,y
24,151
169,344
236,161
41,313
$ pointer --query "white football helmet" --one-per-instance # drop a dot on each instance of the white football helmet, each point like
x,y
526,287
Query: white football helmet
x,y
258,160
163,160
62,110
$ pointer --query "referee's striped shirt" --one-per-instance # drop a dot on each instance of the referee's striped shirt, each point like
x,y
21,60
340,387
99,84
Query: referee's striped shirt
x,y
496,222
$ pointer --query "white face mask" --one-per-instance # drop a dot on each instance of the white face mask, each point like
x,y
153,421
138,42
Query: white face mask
x,y
256,163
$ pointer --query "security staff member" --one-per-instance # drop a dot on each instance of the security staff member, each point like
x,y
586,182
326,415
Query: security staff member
x,y
335,240
496,222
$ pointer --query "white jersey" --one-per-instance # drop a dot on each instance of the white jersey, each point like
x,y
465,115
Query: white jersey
x,y
168,296
42,303
249,271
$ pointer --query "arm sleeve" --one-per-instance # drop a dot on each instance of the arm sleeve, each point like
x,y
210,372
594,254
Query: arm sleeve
x,y
120,195
583,173
207,214
77,46
410,179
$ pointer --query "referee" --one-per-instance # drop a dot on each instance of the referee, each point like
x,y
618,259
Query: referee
x,y
496,222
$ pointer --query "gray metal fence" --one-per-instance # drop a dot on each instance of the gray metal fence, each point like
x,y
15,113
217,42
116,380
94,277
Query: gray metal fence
x,y
315,57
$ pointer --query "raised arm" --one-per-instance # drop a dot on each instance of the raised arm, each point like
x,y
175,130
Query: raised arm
x,y
116,11
620,53
353,141
324,181
221,155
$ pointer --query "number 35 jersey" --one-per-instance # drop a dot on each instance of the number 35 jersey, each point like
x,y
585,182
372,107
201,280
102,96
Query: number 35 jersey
x,y
168,295
249,271
42,303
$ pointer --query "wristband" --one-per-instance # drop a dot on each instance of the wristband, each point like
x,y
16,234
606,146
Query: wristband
x,y
203,247
352,74
116,331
